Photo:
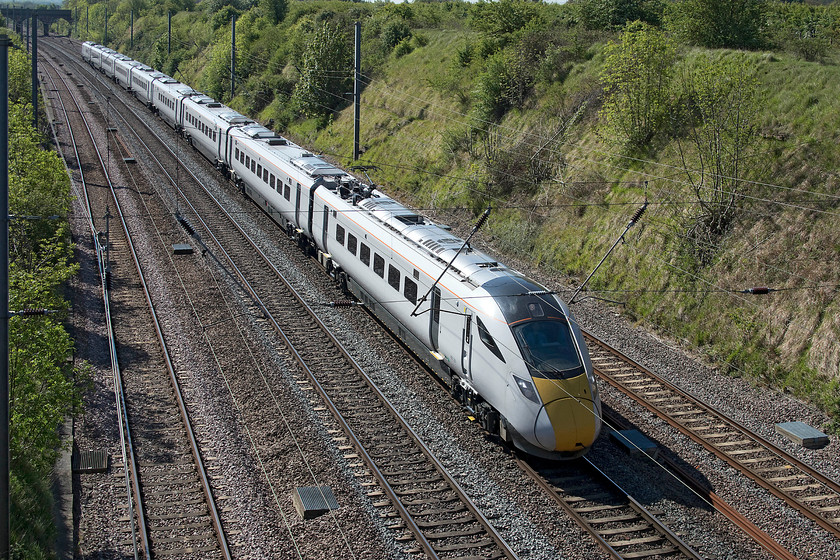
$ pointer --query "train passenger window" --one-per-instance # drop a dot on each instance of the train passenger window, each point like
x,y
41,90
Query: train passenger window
x,y
394,277
247,161
410,290
364,254
253,166
271,180
259,170
488,341
379,265
351,243
339,234
237,154
265,175
287,192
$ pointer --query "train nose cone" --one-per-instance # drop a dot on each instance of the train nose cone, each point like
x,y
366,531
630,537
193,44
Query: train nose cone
x,y
567,422
566,425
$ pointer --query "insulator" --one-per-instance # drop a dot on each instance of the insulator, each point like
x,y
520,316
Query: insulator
x,y
342,303
186,225
758,291
638,213
482,219
28,312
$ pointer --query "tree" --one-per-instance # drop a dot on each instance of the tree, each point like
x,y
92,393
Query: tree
x,y
637,83
504,17
716,155
274,10
715,24
615,14
43,387
325,72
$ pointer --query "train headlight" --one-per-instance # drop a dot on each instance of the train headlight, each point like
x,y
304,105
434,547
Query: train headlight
x,y
527,389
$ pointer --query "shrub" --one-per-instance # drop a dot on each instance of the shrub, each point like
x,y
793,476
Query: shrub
x,y
637,84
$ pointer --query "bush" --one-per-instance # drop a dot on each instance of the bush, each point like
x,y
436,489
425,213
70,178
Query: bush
x,y
637,84
395,32
736,24
615,14
404,47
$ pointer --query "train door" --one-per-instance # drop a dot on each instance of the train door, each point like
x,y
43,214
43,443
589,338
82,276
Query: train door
x,y
311,230
434,322
297,206
466,345
325,231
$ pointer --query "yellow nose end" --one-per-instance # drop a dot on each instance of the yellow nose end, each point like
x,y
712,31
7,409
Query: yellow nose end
x,y
570,411
573,422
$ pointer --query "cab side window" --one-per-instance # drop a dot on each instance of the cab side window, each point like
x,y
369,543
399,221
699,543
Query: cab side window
x,y
488,341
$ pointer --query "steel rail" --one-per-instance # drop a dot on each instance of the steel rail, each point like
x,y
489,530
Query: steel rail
x,y
722,506
202,472
129,459
664,530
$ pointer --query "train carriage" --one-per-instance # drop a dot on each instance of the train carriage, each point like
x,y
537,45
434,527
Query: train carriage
x,y
109,60
261,162
141,78
122,71
207,125
167,95
87,50
97,53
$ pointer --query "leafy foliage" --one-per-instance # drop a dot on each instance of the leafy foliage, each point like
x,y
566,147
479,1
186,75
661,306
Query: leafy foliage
x,y
505,17
637,83
722,101
43,387
736,24
324,75
615,14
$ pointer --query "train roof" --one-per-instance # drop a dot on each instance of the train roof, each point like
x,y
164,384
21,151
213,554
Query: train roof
x,y
434,239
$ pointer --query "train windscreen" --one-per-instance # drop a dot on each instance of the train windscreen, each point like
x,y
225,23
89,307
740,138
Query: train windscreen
x,y
548,349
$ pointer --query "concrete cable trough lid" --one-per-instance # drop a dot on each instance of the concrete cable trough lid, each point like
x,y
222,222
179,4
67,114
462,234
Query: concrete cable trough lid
x,y
312,501
803,434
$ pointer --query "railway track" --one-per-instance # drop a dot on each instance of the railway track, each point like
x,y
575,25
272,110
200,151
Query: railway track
x,y
638,545
803,488
171,511
621,525
427,504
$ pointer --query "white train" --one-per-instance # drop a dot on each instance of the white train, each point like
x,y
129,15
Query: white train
x,y
509,349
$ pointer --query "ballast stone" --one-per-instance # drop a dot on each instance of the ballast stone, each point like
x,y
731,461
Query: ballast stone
x,y
803,434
